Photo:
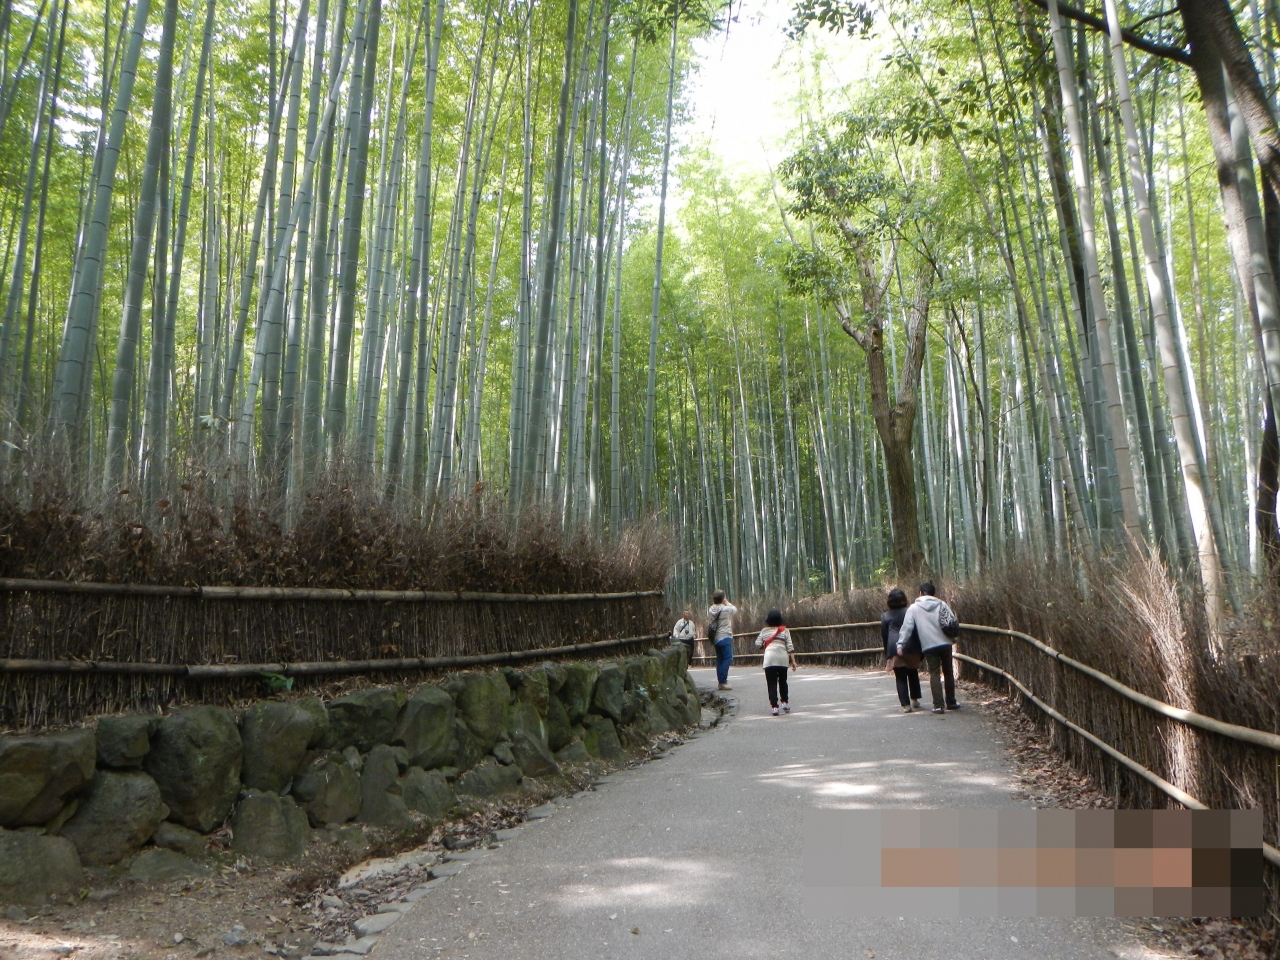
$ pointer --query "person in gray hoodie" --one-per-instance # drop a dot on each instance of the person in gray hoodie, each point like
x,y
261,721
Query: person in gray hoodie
x,y
925,619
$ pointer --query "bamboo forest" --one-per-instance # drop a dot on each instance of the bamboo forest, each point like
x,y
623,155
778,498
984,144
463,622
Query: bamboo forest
x,y
1002,286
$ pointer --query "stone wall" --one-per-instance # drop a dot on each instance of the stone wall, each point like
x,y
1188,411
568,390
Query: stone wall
x,y
139,793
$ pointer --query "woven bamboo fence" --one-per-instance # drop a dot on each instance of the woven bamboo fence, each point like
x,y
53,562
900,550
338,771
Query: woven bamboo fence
x,y
109,623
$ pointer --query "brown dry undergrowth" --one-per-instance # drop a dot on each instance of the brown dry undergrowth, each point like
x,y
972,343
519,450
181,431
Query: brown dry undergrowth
x,y
342,534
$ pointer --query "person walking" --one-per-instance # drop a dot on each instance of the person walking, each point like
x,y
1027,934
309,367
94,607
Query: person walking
x,y
720,633
684,631
905,665
779,653
934,625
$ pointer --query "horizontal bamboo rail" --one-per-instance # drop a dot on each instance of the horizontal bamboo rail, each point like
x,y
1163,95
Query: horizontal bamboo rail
x,y
1271,853
1234,731
220,671
306,593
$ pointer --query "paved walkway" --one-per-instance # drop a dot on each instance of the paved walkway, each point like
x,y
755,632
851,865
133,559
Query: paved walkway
x,y
699,855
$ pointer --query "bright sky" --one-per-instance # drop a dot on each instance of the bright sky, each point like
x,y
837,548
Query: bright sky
x,y
743,94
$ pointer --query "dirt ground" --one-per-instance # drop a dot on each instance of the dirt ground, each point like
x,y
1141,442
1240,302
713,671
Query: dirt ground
x,y
1048,781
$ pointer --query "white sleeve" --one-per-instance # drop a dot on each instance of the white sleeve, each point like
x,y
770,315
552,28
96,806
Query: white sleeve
x,y
790,647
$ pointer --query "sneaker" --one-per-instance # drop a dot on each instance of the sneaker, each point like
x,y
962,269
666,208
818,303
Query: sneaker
x,y
774,711
953,706
906,708
724,686
938,710
786,708
915,704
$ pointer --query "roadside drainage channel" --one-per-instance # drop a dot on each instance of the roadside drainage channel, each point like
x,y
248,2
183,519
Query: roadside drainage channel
x,y
367,931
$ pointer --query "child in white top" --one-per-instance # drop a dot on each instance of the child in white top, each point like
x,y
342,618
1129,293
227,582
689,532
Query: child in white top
x,y
775,641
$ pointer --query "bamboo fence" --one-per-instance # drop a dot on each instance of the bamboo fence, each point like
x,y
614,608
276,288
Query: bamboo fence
x,y
155,646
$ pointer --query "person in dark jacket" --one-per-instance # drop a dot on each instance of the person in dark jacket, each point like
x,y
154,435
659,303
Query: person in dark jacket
x,y
906,664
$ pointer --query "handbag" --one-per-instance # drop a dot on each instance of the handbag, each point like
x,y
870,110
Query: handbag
x,y
948,622
711,628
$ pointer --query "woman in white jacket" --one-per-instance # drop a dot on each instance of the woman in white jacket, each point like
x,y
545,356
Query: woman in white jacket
x,y
779,653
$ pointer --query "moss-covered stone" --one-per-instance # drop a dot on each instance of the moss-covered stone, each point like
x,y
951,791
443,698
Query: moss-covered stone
x,y
276,736
427,728
38,773
195,759
269,826
575,692
118,815
365,718
328,787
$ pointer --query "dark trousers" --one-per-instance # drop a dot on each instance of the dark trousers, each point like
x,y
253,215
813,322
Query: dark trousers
x,y
776,678
941,671
908,679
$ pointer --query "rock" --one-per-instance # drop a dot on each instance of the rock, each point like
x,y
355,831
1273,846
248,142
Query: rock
x,y
575,752
601,738
354,758
359,947
195,758
34,867
535,690
348,838
526,719
484,703
575,692
365,718
170,836
426,792
237,936
533,756
60,819
632,739
540,813
328,788
381,804
123,742
607,698
375,924
489,778
155,864
119,814
38,773
555,674
502,753
427,728
471,749
276,736
269,826
558,728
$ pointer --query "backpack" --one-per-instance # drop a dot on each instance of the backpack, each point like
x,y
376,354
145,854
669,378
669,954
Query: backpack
x,y
948,623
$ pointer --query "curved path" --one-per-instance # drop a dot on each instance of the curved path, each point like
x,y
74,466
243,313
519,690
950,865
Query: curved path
x,y
699,855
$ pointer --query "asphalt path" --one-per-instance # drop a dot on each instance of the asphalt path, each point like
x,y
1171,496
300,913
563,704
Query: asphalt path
x,y
699,854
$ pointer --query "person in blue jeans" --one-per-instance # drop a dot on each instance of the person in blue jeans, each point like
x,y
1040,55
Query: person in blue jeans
x,y
721,614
